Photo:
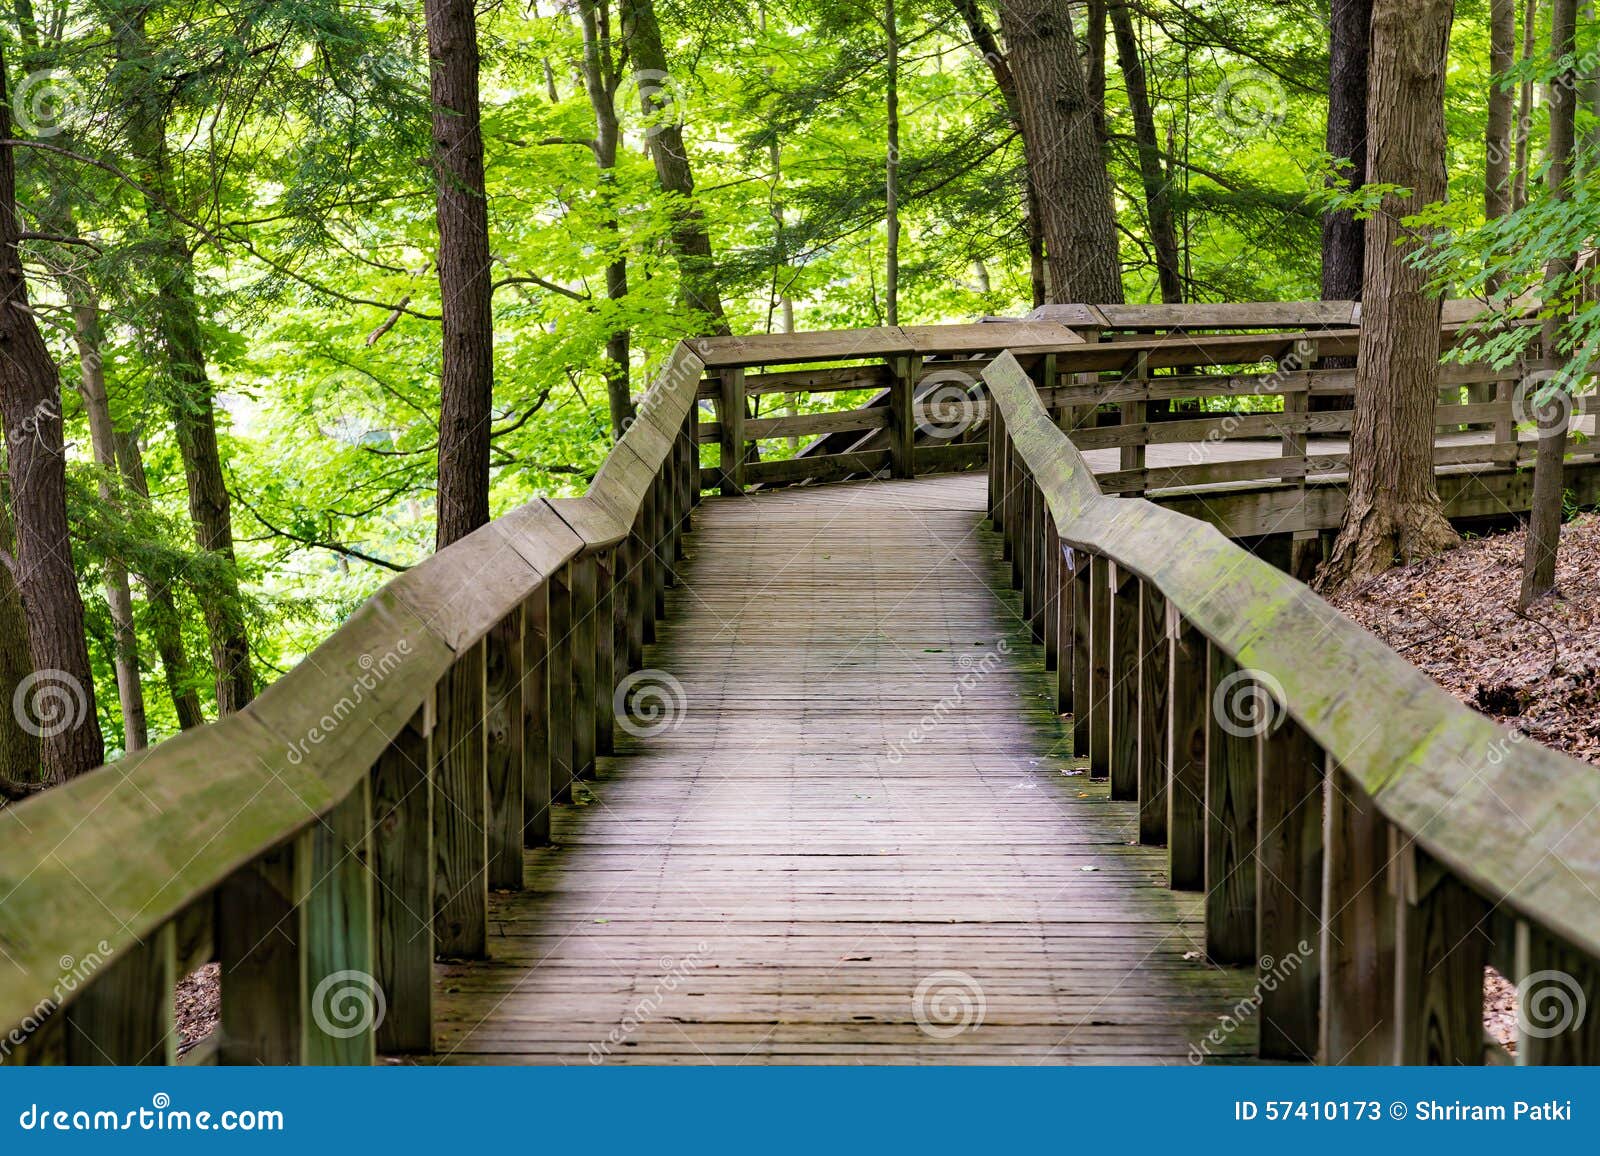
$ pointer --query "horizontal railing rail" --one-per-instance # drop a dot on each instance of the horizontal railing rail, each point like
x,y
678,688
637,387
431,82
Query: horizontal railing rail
x,y
328,842
1365,841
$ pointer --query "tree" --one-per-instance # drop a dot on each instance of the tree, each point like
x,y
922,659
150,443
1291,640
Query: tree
x,y
466,377
1393,507
1350,30
1497,134
60,699
1157,199
1064,153
19,746
1544,518
891,164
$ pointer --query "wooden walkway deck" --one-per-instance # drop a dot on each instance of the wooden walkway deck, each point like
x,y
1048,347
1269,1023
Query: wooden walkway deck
x,y
862,795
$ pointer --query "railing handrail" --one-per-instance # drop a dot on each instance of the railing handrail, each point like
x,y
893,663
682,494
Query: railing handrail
x,y
112,855
1518,822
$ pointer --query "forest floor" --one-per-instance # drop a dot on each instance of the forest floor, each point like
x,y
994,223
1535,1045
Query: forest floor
x,y
1455,618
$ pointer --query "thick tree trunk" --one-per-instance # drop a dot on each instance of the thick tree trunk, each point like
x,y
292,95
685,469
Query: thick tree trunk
x,y
103,440
690,241
1497,137
891,164
1158,206
176,316
1064,152
59,698
1394,509
600,84
1524,125
984,42
19,746
166,625
1544,518
1350,24
466,379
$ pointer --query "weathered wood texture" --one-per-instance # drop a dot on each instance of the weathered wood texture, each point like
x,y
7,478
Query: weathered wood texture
x,y
858,793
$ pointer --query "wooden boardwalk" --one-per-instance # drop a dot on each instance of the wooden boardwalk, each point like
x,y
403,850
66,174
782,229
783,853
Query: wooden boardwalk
x,y
859,838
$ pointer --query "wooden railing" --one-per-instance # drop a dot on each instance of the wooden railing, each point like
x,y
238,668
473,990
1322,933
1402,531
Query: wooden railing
x,y
1246,386
328,842
1336,807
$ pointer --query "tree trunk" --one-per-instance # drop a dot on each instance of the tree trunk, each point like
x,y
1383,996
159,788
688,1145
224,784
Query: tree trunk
x,y
166,625
984,42
103,440
600,84
1497,138
1524,126
1544,518
1394,509
1158,207
19,746
1064,152
176,316
891,164
59,698
466,378
1094,33
1350,25
691,242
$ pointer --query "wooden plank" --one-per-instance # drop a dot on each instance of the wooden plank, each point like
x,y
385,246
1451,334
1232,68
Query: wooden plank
x,y
605,674
559,682
811,424
1357,941
460,811
1441,949
1123,707
821,468
903,372
1559,989
125,1016
1152,697
730,420
1099,667
260,947
345,999
583,573
1239,709
1289,890
537,742
402,893
505,731
1082,659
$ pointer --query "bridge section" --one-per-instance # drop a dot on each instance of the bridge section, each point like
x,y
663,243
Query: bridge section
x,y
854,832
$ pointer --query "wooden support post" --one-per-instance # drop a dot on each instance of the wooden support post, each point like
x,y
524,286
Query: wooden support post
x,y
536,741
1296,404
1505,428
649,566
1026,555
1037,540
558,684
1065,651
730,418
1559,1021
1017,519
1082,576
1099,667
1289,890
1305,554
504,739
125,1016
1050,592
996,431
1123,708
344,996
1231,809
637,577
605,675
402,893
1441,948
460,811
663,547
43,1047
585,644
904,370
260,950
1357,940
1136,413
1152,697
1188,719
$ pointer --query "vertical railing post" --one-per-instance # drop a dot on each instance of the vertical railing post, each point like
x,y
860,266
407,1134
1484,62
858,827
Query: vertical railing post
x,y
903,372
126,1016
1296,405
1050,592
1123,709
1136,413
730,418
1441,948
1560,1023
506,732
1289,889
342,990
1357,939
605,674
585,579
1188,717
536,741
1082,658
1066,560
260,951
1237,709
1152,698
638,578
460,811
1099,667
402,868
558,684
